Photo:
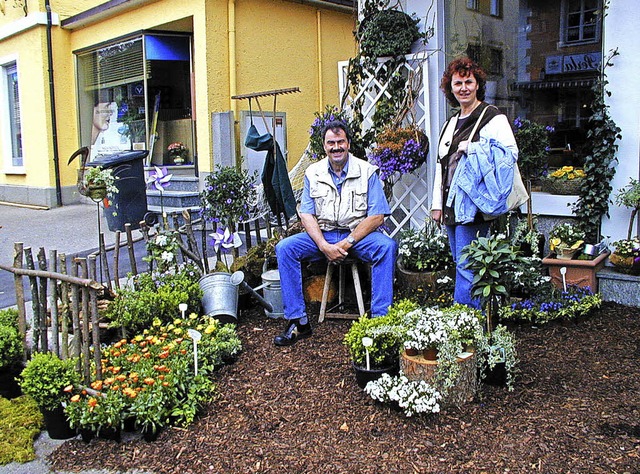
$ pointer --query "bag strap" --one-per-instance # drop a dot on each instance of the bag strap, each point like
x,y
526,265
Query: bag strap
x,y
475,127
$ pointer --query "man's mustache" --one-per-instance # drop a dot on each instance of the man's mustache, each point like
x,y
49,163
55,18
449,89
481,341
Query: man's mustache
x,y
336,150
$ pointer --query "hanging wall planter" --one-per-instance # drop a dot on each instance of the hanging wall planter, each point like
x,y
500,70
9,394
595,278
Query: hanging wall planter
x,y
388,33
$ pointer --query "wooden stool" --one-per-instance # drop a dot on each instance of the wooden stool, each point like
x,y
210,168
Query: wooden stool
x,y
324,312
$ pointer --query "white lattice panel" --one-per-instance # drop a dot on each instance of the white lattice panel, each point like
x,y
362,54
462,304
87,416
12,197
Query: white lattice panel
x,y
411,192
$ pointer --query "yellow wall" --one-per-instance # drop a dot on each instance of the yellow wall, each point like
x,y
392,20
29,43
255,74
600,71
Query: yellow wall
x,y
276,47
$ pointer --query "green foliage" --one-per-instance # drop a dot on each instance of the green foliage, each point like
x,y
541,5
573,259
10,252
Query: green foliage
x,y
425,250
500,348
96,176
162,249
358,143
20,423
566,235
45,377
600,161
629,196
10,339
228,195
386,332
155,295
388,33
542,308
533,146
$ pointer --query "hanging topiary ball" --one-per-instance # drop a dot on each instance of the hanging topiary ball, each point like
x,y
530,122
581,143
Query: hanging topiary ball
x,y
388,33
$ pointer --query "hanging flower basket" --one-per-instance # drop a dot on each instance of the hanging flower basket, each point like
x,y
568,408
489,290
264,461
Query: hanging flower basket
x,y
563,181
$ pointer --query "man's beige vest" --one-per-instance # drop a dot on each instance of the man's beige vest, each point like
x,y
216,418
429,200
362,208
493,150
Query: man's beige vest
x,y
347,209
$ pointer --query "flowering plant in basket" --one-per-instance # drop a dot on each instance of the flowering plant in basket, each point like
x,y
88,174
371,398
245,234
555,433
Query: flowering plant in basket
x,y
177,149
412,396
565,236
533,146
399,150
425,250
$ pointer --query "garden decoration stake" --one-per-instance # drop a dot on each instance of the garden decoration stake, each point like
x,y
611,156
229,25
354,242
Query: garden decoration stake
x,y
195,337
223,240
183,308
160,180
563,272
367,342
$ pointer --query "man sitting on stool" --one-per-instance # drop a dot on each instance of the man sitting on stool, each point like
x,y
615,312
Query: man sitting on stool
x,y
342,206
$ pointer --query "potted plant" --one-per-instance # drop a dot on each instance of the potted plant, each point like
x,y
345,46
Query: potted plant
x,y
44,379
533,147
527,238
566,181
377,341
424,258
99,183
498,363
626,256
11,352
565,239
97,413
178,153
413,397
398,150
388,32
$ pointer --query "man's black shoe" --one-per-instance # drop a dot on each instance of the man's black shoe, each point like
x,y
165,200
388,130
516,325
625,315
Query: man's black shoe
x,y
292,333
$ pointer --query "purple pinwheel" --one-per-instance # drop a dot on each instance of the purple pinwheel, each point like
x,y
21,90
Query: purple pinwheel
x,y
160,179
226,240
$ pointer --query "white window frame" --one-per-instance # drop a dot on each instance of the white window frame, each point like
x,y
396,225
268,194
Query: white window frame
x,y
6,63
472,5
495,8
564,27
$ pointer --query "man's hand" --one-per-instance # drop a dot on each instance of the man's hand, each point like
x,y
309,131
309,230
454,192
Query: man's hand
x,y
335,252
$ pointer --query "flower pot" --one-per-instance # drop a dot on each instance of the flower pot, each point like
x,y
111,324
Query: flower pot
x,y
410,281
411,352
86,434
149,434
624,264
57,425
430,354
110,433
9,386
496,375
179,160
579,272
561,187
96,193
566,254
364,376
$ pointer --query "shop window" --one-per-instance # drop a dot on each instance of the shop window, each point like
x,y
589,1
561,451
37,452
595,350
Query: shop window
x,y
486,7
11,115
489,58
580,21
136,94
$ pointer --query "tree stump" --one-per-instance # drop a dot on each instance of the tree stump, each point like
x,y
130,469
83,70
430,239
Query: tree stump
x,y
418,368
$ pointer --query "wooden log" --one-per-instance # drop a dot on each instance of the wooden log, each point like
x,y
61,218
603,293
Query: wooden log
x,y
85,349
104,262
66,309
95,328
53,304
116,261
464,390
35,305
22,314
44,333
132,254
75,316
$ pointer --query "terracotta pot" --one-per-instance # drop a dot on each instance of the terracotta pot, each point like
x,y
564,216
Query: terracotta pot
x,y
411,352
579,272
430,353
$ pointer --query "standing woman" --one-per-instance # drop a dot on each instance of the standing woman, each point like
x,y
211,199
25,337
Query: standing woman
x,y
463,84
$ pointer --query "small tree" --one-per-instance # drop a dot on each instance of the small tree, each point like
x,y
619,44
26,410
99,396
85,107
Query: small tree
x,y
629,196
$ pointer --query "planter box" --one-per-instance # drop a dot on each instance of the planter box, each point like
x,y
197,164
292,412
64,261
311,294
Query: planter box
x,y
579,272
619,287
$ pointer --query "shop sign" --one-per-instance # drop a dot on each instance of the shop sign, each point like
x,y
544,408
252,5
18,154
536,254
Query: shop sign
x,y
572,63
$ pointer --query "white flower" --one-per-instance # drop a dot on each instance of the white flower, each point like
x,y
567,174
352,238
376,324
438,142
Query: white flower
x,y
167,256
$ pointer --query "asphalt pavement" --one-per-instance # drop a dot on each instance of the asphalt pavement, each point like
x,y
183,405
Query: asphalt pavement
x,y
72,230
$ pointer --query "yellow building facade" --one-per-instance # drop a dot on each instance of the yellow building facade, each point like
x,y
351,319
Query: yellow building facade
x,y
167,66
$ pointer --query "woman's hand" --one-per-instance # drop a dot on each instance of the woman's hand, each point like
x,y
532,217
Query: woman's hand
x,y
436,215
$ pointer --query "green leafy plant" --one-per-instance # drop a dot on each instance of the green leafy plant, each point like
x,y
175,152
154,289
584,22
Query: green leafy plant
x,y
45,377
162,250
600,160
492,260
533,146
94,176
20,423
155,295
10,340
627,247
629,196
227,196
386,332
387,33
500,348
425,250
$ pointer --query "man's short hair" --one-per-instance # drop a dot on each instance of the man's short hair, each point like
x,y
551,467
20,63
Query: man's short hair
x,y
336,125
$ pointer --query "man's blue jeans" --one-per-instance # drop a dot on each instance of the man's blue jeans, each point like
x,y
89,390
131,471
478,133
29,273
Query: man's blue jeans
x,y
376,248
459,237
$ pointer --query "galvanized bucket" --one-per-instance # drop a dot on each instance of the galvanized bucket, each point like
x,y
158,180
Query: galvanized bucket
x,y
272,293
220,296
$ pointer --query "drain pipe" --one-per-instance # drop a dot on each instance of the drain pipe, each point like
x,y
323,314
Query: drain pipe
x,y
54,122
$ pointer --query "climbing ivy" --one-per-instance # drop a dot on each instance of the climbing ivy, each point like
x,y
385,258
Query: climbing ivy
x,y
600,162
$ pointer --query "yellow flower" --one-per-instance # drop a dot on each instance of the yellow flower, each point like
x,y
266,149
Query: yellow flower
x,y
567,169
571,175
557,174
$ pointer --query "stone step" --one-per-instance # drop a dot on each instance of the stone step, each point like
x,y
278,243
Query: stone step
x,y
181,183
181,199
619,287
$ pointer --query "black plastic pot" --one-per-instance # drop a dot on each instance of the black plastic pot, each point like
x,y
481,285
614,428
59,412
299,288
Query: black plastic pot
x,y
497,375
57,425
364,376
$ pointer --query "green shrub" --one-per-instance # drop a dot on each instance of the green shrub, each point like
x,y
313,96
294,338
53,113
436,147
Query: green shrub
x,y
45,377
155,295
10,340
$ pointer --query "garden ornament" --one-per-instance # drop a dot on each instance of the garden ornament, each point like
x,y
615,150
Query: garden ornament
x,y
563,272
367,342
195,336
183,308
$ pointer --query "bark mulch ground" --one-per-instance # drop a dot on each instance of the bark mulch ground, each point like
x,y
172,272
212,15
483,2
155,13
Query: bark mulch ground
x,y
575,408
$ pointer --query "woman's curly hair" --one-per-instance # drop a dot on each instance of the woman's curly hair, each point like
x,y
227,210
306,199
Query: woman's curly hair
x,y
465,67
